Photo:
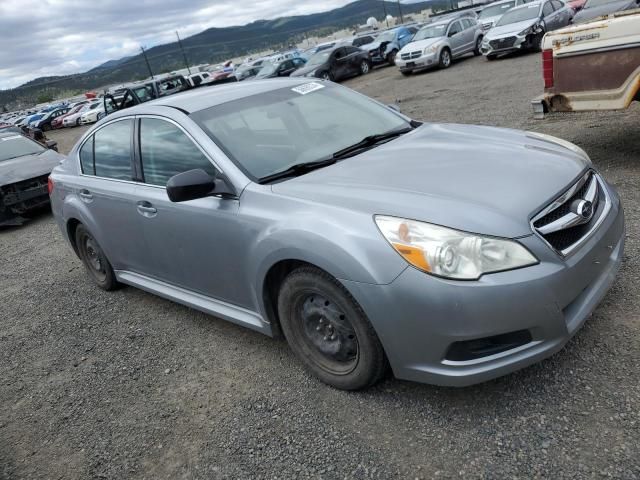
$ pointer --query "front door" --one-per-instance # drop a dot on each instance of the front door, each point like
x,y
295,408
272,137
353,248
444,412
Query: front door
x,y
196,245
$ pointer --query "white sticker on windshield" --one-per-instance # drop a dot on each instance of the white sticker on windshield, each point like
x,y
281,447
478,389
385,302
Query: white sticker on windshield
x,y
308,88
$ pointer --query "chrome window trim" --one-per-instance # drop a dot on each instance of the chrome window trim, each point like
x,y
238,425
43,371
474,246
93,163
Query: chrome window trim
x,y
135,117
568,194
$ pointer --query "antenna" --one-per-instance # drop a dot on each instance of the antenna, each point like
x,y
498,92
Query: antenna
x,y
186,62
144,54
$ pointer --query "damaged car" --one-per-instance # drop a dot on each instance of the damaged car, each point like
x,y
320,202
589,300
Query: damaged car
x,y
523,27
25,166
387,45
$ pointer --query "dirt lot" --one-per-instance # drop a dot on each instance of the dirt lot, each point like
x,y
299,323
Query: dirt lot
x,y
127,385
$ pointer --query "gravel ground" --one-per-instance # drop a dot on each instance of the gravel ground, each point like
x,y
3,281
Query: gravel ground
x,y
127,385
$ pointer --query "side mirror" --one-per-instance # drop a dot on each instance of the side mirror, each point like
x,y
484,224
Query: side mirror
x,y
52,145
194,184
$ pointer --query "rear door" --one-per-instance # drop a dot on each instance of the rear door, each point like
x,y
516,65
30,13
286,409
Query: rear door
x,y
456,37
562,13
106,190
354,59
469,31
549,17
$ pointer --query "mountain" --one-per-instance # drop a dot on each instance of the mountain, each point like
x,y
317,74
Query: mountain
x,y
210,46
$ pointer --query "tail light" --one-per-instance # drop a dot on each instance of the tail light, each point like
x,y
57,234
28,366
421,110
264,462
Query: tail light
x,y
50,185
547,68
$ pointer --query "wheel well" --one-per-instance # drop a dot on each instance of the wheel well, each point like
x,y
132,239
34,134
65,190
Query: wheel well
x,y
72,225
271,287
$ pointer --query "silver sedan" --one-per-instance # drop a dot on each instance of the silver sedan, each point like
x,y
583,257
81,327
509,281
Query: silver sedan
x,y
451,253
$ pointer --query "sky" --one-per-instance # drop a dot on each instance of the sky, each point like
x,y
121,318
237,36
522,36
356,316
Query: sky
x,y
59,37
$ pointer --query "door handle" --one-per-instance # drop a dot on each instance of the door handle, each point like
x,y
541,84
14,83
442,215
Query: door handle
x,y
146,209
86,195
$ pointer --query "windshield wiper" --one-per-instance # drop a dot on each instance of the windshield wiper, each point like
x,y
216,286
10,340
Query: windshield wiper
x,y
370,141
297,169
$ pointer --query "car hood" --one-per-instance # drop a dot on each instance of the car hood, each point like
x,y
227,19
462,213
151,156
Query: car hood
x,y
478,179
371,46
594,12
510,29
28,166
420,44
492,20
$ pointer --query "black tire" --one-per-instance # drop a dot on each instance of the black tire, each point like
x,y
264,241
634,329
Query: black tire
x,y
94,260
46,127
391,58
476,51
406,73
326,75
445,58
537,42
365,67
491,57
100,116
77,122
332,337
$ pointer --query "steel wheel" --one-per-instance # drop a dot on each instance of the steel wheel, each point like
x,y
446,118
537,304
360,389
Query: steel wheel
x,y
328,334
328,331
94,260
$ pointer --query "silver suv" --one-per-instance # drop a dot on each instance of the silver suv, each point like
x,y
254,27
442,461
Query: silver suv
x,y
451,253
439,43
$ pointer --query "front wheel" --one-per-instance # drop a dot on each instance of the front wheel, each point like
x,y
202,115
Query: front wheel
x,y
78,122
326,76
94,260
100,116
445,58
406,73
476,51
391,58
46,127
328,331
537,42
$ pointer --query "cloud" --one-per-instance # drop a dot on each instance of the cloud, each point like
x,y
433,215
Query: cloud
x,y
59,37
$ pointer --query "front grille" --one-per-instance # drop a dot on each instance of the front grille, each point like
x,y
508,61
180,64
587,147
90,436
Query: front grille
x,y
569,220
502,43
411,55
25,195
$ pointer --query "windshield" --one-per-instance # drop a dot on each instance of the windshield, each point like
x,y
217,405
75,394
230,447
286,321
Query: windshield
x,y
18,146
520,14
495,10
319,58
269,132
432,31
387,36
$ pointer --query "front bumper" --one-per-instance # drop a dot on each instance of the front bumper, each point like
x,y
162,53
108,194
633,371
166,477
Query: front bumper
x,y
85,121
410,64
506,44
419,317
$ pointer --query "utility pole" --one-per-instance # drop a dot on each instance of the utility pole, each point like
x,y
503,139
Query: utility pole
x,y
400,10
186,62
144,54
384,6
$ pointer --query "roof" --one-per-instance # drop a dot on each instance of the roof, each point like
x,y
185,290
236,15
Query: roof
x,y
527,5
206,97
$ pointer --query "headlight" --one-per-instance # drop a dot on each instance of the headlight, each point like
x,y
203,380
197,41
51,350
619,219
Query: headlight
x,y
526,31
563,143
451,253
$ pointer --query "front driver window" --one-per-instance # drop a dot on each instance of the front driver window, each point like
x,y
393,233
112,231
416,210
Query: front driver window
x,y
166,150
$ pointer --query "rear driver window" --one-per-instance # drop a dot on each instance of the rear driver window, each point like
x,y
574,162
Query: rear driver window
x,y
112,150
166,151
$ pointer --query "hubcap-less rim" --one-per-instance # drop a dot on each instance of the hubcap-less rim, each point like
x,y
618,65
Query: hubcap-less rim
x,y
364,67
328,335
93,258
446,58
326,76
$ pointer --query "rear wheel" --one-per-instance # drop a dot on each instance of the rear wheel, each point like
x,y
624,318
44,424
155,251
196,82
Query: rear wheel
x,y
406,73
326,76
445,58
491,57
94,260
364,67
328,331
